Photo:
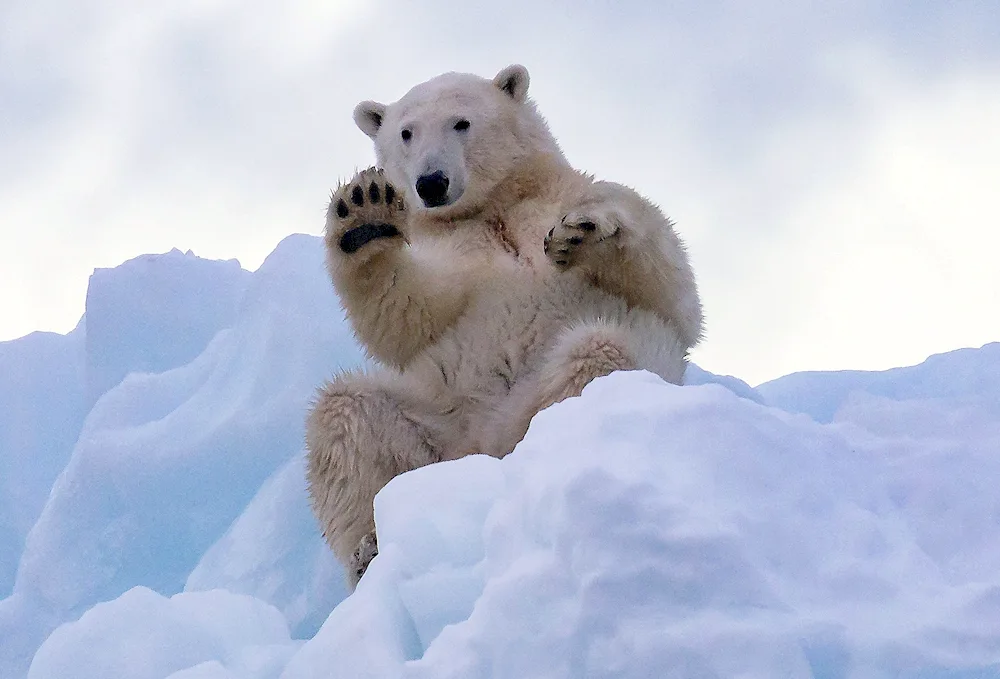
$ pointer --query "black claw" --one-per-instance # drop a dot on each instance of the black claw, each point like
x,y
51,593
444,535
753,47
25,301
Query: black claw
x,y
390,194
342,210
587,226
358,196
373,193
551,231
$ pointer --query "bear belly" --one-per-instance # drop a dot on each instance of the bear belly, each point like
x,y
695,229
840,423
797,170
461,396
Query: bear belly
x,y
499,342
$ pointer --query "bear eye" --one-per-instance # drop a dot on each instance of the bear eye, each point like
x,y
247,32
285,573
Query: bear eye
x,y
406,134
462,125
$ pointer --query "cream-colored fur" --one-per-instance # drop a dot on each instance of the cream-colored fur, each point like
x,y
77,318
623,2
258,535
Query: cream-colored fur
x,y
527,281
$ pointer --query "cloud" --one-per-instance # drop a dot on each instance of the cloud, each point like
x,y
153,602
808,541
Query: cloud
x,y
829,167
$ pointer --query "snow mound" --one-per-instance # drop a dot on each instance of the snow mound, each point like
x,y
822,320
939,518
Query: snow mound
x,y
143,635
652,530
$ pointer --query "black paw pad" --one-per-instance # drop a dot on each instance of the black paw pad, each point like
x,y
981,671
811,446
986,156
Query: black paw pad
x,y
342,210
587,226
358,196
356,238
374,195
390,194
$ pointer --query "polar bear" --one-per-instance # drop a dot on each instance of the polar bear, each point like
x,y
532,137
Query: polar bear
x,y
488,279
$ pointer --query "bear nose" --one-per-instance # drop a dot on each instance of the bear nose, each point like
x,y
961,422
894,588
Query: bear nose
x,y
433,189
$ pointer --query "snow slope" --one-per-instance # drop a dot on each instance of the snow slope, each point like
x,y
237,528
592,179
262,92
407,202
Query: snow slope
x,y
967,377
150,314
157,312
167,461
823,525
41,412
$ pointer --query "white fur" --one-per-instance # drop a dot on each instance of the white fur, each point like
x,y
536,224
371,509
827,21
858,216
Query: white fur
x,y
530,282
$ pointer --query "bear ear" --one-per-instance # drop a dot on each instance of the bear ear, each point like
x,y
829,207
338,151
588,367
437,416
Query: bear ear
x,y
513,81
368,116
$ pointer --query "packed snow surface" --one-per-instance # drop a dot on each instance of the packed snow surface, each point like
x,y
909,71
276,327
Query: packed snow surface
x,y
829,525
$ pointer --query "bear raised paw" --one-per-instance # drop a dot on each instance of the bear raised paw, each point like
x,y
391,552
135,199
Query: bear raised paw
x,y
488,279
367,208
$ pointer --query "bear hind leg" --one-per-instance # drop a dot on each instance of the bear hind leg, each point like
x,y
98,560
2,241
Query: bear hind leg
x,y
360,434
581,354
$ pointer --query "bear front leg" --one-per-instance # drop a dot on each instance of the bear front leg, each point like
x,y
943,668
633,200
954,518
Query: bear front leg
x,y
627,247
397,298
588,236
362,431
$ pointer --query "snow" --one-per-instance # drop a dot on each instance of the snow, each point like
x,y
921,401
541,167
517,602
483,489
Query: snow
x,y
144,635
685,529
821,525
966,377
273,552
41,413
156,312
166,461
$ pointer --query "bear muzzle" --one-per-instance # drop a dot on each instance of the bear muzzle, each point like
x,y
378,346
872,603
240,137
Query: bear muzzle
x,y
433,189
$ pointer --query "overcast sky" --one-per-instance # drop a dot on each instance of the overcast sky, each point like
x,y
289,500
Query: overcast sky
x,y
833,167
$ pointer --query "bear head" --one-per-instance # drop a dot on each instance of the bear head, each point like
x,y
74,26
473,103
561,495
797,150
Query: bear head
x,y
450,140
